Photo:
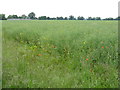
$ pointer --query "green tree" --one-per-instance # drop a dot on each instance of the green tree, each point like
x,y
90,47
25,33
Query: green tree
x,y
118,18
97,18
12,17
42,18
15,16
110,18
80,18
23,16
93,18
65,18
89,18
71,17
31,15
60,18
2,17
53,18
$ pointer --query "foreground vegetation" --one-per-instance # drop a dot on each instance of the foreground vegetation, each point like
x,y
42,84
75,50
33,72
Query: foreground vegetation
x,y
60,54
0,54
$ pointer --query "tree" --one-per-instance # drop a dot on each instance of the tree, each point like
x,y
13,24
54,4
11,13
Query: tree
x,y
31,15
53,18
65,18
97,18
15,16
2,17
60,18
80,18
110,18
89,18
71,17
20,17
23,16
118,18
9,17
48,18
12,17
93,18
57,18
42,18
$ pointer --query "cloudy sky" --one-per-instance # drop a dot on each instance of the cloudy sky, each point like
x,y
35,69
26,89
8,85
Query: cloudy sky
x,y
54,8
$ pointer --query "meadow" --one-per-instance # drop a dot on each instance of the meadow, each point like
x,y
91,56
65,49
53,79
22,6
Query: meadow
x,y
60,54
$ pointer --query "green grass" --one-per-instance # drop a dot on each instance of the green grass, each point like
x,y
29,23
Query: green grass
x,y
0,54
60,54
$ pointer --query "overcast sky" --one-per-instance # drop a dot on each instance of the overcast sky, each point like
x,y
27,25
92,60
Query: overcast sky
x,y
54,8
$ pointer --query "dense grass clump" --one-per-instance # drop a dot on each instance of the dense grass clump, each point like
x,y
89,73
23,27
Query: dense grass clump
x,y
60,54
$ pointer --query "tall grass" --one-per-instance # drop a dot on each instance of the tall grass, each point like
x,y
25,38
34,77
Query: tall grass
x,y
60,54
0,54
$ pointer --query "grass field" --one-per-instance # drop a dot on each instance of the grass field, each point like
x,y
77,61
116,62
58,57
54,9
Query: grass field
x,y
0,54
60,54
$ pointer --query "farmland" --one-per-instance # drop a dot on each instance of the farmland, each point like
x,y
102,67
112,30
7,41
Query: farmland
x,y
60,54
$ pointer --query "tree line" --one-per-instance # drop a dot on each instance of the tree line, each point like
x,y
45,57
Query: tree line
x,y
32,16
